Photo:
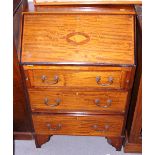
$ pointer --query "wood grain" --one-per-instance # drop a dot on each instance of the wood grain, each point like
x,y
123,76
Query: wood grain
x,y
78,125
20,115
23,135
133,141
75,9
41,139
115,142
135,132
67,2
79,77
77,101
20,118
111,39
133,148
78,43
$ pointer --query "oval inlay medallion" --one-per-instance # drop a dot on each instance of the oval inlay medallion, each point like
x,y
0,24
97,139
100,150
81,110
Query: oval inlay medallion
x,y
77,38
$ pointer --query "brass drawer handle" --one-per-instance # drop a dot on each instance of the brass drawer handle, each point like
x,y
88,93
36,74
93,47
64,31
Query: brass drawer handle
x,y
58,127
46,101
106,128
98,81
107,104
54,81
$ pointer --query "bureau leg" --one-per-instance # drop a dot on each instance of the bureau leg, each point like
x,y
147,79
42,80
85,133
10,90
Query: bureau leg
x,y
116,142
41,139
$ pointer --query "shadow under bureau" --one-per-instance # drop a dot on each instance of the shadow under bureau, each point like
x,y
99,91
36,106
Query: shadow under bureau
x,y
78,66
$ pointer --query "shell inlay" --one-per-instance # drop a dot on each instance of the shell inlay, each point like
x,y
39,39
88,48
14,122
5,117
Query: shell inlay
x,y
77,38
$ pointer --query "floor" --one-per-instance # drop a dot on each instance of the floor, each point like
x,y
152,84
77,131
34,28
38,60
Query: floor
x,y
68,145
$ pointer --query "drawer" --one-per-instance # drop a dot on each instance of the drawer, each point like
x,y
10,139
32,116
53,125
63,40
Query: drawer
x,y
60,102
78,39
102,125
80,77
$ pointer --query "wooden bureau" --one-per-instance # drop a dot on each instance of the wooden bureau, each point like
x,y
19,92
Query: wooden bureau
x,y
78,64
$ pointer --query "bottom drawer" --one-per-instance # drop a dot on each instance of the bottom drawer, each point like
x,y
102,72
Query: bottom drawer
x,y
98,125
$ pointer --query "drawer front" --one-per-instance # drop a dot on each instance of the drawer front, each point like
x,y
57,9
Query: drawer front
x,y
53,101
78,125
78,38
117,78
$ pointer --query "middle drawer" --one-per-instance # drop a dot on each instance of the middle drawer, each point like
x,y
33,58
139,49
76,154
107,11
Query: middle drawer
x,y
59,101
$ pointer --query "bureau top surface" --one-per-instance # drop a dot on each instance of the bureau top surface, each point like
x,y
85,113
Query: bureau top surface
x,y
78,38
62,2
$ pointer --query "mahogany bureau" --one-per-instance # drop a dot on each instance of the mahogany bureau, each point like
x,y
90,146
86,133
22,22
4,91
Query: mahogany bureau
x,y
78,65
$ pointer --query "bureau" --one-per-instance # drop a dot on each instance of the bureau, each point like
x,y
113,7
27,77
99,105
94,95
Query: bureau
x,y
78,65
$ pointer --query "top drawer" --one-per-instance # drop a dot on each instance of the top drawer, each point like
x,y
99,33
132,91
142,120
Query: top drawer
x,y
78,39
78,77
